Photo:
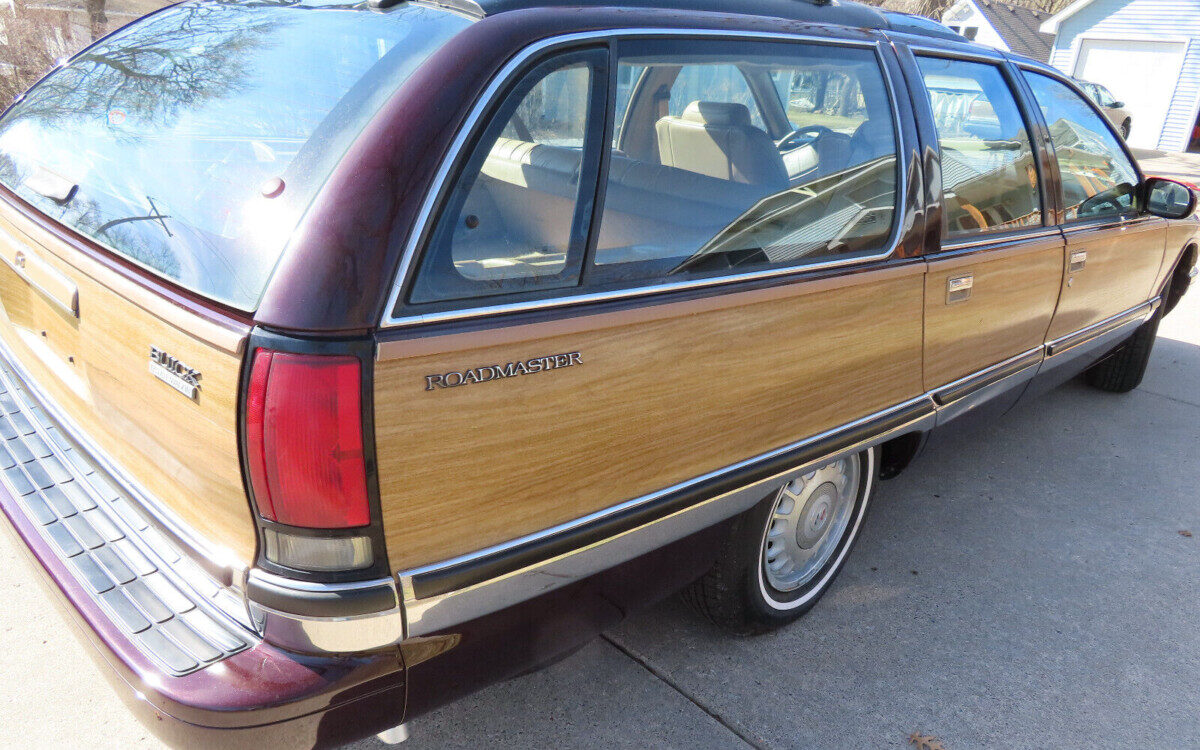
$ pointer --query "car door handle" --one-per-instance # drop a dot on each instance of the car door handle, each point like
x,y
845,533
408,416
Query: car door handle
x,y
1078,261
958,288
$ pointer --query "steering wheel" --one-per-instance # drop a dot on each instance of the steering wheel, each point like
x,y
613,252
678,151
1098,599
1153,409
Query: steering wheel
x,y
802,135
1107,201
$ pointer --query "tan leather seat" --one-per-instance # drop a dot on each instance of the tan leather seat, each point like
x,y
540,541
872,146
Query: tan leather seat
x,y
716,139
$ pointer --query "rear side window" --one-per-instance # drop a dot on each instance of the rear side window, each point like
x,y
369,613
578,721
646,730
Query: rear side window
x,y
516,218
706,186
192,141
989,174
1098,179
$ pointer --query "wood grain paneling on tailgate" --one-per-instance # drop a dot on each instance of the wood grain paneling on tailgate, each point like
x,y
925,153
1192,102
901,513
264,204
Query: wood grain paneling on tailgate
x,y
95,367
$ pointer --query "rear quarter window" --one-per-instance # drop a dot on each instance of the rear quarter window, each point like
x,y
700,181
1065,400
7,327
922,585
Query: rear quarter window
x,y
192,141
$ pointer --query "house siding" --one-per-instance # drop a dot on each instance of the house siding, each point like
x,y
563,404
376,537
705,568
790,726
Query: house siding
x,y
1143,20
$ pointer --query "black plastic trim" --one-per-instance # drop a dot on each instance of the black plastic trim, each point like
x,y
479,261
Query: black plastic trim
x,y
334,602
470,573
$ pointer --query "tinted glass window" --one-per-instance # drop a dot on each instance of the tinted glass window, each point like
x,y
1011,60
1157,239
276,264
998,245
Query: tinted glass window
x,y
830,99
161,141
724,83
989,175
701,188
510,221
1098,179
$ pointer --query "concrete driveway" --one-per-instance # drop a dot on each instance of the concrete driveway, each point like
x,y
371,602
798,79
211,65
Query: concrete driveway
x,y
1027,586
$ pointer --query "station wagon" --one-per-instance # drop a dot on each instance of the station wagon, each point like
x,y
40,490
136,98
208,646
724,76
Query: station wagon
x,y
356,356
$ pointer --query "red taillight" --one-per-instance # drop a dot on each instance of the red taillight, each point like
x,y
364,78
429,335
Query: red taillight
x,y
304,440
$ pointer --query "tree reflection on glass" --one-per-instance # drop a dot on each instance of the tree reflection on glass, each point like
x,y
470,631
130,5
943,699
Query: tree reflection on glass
x,y
157,141
171,63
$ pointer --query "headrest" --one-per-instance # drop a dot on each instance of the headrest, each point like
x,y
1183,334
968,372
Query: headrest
x,y
718,114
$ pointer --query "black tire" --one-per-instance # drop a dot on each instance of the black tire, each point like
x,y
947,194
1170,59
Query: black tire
x,y
1122,370
1125,128
735,595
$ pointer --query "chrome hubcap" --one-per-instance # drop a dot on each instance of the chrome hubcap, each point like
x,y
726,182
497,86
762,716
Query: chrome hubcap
x,y
810,517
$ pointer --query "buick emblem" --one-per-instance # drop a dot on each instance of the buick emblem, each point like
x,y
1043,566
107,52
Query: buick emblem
x,y
174,373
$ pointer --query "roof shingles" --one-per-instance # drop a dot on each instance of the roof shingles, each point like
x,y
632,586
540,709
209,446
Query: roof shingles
x,y
1018,27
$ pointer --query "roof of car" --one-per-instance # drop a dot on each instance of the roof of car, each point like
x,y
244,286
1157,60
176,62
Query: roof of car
x,y
840,12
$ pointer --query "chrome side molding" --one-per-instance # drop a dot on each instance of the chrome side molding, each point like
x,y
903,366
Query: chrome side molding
x,y
1106,329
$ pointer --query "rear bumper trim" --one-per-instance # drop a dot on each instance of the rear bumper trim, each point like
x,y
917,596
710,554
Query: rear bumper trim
x,y
183,621
316,600
172,641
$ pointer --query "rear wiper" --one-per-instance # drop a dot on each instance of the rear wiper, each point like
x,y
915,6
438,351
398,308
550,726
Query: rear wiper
x,y
154,215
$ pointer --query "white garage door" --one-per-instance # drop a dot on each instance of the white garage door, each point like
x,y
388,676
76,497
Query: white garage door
x,y
1141,74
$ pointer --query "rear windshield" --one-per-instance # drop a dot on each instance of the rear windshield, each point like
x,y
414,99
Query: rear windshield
x,y
192,141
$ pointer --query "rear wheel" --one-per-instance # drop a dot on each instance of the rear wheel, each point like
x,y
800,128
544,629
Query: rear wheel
x,y
781,556
1123,369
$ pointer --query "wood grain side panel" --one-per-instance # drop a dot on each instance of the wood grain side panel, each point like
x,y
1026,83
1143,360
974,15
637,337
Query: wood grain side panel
x,y
662,394
1012,300
96,369
1122,266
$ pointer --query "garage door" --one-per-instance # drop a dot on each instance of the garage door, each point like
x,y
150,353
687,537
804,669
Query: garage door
x,y
1141,74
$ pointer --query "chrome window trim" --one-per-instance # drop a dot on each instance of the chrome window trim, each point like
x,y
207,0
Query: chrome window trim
x,y
1058,75
991,240
983,236
508,74
1106,222
971,55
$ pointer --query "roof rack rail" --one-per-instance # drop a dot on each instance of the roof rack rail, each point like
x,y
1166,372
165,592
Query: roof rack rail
x,y
469,7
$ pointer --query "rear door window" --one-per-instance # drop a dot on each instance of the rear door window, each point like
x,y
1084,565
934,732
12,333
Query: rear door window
x,y
700,187
989,173
192,141
1098,179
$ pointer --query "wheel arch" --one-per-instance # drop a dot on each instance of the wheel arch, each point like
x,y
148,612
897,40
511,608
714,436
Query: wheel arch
x,y
897,453
1180,278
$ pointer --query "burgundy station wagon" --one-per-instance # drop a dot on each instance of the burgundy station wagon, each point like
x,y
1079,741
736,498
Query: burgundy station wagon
x,y
354,356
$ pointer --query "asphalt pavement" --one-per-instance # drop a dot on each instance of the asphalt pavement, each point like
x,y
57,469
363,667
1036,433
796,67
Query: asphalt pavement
x,y
1027,585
